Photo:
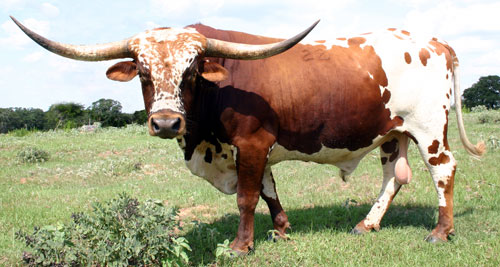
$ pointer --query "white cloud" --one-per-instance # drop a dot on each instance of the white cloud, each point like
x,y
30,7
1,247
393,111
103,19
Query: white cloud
x,y
284,19
171,8
472,44
491,58
16,38
152,25
49,10
33,57
447,18
8,4
208,7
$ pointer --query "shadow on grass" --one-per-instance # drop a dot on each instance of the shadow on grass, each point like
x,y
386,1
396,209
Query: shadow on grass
x,y
204,238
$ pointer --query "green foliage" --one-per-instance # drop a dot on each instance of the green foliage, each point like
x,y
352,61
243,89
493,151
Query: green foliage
x,y
18,118
108,112
32,155
484,116
120,232
68,116
65,115
223,251
485,92
480,108
140,117
21,132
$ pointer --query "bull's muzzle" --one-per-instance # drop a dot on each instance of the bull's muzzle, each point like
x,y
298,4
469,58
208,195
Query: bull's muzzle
x,y
166,124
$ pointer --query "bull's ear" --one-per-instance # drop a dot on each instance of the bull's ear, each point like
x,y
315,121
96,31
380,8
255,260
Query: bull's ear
x,y
122,71
214,72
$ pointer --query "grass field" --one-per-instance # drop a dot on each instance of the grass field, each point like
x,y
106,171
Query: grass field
x,y
88,167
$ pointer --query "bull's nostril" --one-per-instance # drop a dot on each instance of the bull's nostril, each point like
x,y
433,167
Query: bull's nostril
x,y
177,125
156,127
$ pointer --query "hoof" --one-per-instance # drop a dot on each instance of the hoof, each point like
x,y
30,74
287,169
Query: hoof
x,y
233,253
276,237
434,239
237,254
359,231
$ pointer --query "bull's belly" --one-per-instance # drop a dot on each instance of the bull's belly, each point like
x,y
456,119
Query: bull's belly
x,y
344,159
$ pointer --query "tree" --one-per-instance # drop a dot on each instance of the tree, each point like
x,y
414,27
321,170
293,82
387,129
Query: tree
x,y
108,112
65,115
18,118
140,117
485,92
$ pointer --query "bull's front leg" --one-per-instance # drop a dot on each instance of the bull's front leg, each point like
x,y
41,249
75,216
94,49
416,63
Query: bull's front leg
x,y
250,163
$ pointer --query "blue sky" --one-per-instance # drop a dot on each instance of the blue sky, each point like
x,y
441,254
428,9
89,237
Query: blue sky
x,y
32,77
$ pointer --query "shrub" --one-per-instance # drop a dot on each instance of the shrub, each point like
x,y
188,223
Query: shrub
x,y
485,118
478,109
32,155
21,132
121,232
488,117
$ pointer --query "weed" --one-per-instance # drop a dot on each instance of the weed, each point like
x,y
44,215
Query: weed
x,y
32,155
21,132
494,142
120,232
223,250
478,109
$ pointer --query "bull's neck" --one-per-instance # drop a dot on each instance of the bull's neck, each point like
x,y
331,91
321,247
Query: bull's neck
x,y
203,118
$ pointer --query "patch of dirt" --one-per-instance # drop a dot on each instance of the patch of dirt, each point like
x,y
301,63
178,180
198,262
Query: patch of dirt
x,y
190,213
25,180
150,169
329,184
108,153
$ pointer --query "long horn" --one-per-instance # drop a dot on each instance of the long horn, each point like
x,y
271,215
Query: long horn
x,y
218,48
97,52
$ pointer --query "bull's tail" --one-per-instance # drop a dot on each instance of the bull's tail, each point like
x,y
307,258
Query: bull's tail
x,y
480,148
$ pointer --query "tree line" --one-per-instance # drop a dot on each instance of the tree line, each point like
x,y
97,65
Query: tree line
x,y
108,112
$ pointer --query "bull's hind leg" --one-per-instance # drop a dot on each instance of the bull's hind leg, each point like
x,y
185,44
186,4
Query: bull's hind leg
x,y
393,155
441,165
268,193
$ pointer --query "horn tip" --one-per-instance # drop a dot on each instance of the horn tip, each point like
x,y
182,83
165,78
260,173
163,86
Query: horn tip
x,y
15,21
315,23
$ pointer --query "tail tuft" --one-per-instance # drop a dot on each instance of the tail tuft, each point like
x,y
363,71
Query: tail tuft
x,y
477,150
480,148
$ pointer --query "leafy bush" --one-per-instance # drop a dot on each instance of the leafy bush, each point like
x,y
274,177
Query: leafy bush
x,y
21,132
32,155
480,108
121,232
485,118
485,115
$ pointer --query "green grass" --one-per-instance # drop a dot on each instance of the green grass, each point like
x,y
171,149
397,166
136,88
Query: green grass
x,y
88,167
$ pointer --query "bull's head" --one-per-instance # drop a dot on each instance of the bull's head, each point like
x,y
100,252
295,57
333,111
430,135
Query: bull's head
x,y
166,60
